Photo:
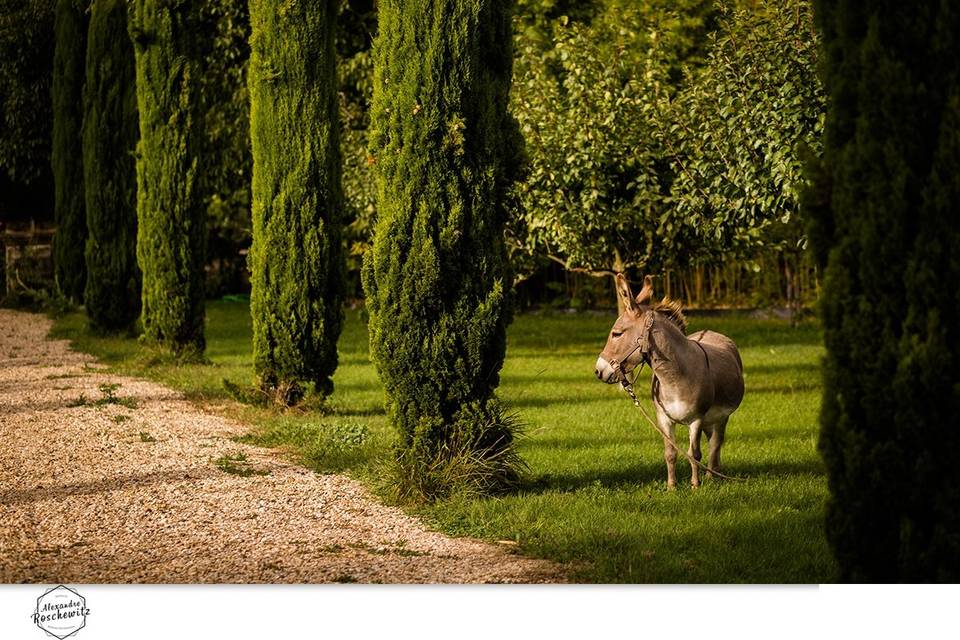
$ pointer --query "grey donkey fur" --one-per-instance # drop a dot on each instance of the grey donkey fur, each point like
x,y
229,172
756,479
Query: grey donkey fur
x,y
697,379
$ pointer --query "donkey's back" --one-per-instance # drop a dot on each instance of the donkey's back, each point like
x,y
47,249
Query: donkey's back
x,y
726,368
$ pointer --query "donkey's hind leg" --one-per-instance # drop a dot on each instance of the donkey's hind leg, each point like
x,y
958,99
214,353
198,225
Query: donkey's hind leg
x,y
694,452
716,443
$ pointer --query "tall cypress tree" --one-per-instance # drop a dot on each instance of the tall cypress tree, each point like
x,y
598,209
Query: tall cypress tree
x,y
171,237
70,27
110,128
436,279
885,203
296,258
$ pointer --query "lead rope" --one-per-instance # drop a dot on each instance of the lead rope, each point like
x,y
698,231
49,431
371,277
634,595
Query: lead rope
x,y
628,387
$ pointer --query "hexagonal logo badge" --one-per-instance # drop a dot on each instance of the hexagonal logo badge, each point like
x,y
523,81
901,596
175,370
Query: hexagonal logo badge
x,y
61,612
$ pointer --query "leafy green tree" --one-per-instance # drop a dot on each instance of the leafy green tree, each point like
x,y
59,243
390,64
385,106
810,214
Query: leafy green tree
x,y
592,96
171,236
884,212
110,128
67,151
665,134
588,119
437,278
744,125
297,258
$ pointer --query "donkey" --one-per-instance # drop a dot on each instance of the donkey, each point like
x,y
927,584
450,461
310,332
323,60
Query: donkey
x,y
697,379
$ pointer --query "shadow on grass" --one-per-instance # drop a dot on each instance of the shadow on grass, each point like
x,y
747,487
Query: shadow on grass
x,y
773,369
655,472
717,551
803,387
356,412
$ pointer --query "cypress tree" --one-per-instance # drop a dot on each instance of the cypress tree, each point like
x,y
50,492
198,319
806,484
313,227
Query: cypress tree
x,y
70,27
296,258
436,278
109,140
884,207
171,236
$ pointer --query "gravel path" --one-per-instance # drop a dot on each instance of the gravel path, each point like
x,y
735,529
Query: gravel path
x,y
112,493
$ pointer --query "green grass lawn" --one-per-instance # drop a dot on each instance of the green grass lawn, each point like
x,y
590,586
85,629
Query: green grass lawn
x,y
596,497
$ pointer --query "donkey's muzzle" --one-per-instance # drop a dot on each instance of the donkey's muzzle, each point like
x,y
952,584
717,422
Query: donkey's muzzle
x,y
605,371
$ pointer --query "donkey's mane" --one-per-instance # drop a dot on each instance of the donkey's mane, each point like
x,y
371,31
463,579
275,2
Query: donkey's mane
x,y
673,309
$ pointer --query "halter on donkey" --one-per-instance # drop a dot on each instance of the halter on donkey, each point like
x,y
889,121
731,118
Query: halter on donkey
x,y
697,380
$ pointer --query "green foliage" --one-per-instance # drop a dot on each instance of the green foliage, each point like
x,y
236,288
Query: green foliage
x,y
110,128
587,117
356,25
108,391
26,66
662,134
884,209
296,258
67,152
745,125
437,279
356,93
32,282
592,99
171,236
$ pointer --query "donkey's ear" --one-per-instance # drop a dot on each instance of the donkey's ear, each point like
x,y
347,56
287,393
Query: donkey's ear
x,y
647,292
626,296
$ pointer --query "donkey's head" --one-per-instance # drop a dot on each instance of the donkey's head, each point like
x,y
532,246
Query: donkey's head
x,y
624,344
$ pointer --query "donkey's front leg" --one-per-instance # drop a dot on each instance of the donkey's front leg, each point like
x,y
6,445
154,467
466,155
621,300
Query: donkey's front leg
x,y
669,451
694,452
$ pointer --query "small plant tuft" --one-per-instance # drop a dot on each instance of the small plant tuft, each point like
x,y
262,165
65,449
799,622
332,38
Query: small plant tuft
x,y
109,393
238,464
81,401
470,464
